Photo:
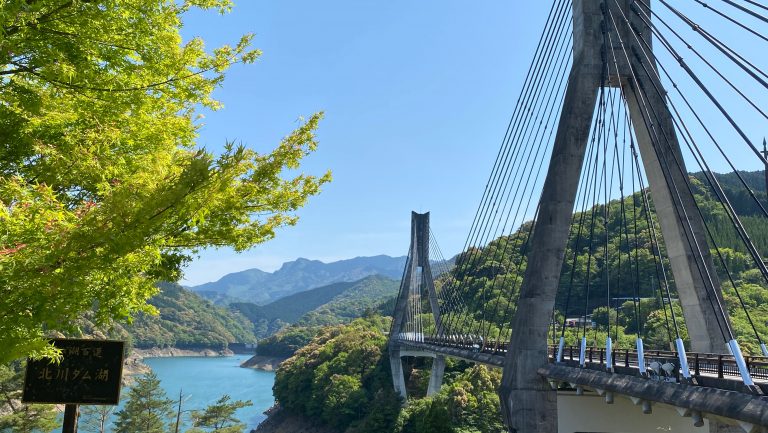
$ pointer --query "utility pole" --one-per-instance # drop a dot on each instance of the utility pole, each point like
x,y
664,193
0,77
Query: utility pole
x,y
178,413
765,172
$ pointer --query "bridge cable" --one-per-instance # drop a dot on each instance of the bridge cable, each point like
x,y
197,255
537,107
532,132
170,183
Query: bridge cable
x,y
400,290
669,48
761,6
681,212
538,160
597,130
449,300
747,10
696,79
522,102
544,53
481,211
732,20
468,261
655,246
715,186
534,137
517,166
721,198
623,225
501,339
585,186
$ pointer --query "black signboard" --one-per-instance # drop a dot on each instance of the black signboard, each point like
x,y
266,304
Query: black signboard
x,y
90,372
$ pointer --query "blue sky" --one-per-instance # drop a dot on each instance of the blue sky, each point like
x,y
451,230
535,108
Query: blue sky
x,y
417,95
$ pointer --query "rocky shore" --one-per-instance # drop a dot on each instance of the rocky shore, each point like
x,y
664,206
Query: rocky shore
x,y
134,363
280,421
264,363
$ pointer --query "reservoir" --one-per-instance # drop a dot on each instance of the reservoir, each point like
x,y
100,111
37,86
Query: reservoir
x,y
204,380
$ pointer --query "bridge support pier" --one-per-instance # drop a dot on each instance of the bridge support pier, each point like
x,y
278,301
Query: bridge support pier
x,y
436,376
398,376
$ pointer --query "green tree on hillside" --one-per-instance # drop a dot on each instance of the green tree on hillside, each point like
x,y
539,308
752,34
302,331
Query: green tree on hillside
x,y
337,377
342,379
15,416
104,189
147,409
94,419
220,417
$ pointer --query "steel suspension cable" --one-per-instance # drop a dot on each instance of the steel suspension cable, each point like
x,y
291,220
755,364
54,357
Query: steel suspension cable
x,y
523,100
696,79
738,23
658,264
713,182
747,10
761,6
523,108
538,160
722,198
680,211
598,128
646,48
586,185
512,301
476,253
472,239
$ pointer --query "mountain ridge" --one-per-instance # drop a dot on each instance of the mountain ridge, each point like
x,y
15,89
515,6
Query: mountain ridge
x,y
325,305
261,288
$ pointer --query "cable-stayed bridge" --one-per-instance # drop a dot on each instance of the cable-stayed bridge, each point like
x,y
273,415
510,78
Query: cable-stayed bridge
x,y
565,269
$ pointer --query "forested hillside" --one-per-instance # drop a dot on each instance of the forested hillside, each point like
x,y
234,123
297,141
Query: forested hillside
x,y
185,320
328,305
341,379
492,277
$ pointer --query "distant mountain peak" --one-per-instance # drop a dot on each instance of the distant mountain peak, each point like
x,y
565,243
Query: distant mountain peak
x,y
260,287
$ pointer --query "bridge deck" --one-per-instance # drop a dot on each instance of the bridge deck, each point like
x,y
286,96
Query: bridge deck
x,y
715,387
701,364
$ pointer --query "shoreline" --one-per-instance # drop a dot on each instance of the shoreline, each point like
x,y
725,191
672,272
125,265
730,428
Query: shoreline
x,y
263,363
280,421
134,363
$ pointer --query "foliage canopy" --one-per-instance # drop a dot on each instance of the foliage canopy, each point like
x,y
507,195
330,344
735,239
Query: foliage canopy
x,y
147,409
103,188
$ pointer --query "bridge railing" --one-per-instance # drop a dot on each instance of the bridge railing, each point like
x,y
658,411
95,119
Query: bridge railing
x,y
701,364
711,364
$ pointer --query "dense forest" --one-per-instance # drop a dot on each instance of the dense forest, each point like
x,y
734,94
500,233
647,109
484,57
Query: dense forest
x,y
616,250
184,320
187,320
327,305
342,379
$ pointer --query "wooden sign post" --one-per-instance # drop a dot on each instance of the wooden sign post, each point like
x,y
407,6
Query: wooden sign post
x,y
90,372
71,413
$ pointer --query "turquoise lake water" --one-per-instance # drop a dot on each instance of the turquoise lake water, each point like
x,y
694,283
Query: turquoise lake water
x,y
204,380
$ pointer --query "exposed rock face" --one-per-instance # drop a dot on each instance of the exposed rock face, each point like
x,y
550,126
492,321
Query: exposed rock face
x,y
156,352
264,363
280,421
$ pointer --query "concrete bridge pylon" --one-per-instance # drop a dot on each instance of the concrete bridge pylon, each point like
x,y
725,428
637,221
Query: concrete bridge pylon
x,y
417,279
529,404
